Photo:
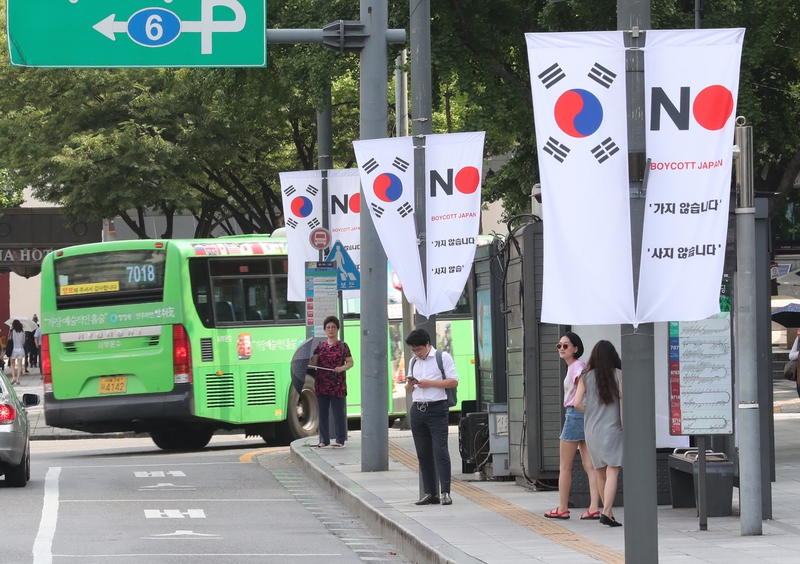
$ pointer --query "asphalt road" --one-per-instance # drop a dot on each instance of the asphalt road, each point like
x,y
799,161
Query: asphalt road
x,y
95,501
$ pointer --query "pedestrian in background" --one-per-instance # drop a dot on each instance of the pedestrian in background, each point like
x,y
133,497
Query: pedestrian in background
x,y
570,348
16,346
599,396
333,358
430,414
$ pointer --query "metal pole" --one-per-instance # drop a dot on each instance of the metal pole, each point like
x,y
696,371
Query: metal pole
x,y
421,114
401,130
701,482
638,355
374,321
746,339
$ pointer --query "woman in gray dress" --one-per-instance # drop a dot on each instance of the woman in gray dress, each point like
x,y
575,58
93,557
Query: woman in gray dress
x,y
599,397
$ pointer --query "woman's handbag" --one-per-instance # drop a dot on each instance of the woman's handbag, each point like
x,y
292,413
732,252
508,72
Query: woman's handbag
x,y
790,370
9,346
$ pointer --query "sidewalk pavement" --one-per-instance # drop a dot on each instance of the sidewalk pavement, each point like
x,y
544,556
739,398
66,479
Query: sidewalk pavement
x,y
497,522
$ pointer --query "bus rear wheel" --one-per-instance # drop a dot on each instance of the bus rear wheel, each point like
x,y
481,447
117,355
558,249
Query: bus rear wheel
x,y
181,438
301,413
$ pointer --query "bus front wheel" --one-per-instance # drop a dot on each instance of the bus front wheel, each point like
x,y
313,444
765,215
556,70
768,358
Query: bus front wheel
x,y
301,413
181,438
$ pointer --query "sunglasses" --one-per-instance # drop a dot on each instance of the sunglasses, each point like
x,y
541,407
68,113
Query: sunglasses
x,y
562,346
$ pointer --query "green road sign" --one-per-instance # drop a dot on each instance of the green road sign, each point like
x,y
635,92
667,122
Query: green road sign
x,y
137,33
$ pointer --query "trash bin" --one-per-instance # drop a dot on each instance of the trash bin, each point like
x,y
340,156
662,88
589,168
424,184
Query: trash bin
x,y
683,474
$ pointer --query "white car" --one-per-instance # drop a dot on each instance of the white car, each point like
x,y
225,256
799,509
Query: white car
x,y
15,452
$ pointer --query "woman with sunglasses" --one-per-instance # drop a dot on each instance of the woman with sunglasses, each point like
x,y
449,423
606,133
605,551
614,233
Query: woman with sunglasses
x,y
570,348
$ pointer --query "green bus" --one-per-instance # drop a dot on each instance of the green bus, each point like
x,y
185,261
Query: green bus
x,y
181,338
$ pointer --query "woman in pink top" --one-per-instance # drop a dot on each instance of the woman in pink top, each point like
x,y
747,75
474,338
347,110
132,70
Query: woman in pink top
x,y
570,348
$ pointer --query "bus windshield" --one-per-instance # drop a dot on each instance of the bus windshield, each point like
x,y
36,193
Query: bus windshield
x,y
111,278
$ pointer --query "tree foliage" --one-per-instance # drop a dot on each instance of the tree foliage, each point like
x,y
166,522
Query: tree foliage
x,y
214,140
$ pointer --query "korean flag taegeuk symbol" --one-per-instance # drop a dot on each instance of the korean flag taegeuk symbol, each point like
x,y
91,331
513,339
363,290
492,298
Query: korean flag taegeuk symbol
x,y
387,182
578,112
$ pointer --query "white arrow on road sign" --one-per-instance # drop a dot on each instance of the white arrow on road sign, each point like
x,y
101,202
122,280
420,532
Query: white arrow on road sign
x,y
157,27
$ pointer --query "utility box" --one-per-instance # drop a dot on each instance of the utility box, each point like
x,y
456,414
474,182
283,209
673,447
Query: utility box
x,y
473,440
533,364
498,441
683,476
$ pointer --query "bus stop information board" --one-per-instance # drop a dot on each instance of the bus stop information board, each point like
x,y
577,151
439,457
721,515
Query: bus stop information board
x,y
701,390
321,296
137,33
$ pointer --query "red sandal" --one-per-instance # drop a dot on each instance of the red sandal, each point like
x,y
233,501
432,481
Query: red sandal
x,y
594,515
554,514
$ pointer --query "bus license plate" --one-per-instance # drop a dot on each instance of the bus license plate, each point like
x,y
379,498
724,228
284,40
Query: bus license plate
x,y
113,385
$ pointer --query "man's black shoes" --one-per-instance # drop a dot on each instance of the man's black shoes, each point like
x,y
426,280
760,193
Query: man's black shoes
x,y
429,499
446,499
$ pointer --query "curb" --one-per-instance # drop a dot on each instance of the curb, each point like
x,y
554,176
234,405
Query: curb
x,y
409,536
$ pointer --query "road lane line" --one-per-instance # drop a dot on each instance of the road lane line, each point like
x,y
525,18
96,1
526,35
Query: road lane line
x,y
43,545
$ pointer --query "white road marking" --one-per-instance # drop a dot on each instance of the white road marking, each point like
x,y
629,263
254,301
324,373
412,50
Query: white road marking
x,y
182,535
174,514
159,474
166,487
43,545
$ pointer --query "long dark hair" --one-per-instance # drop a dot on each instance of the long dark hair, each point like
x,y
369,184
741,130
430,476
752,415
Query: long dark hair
x,y
16,325
604,360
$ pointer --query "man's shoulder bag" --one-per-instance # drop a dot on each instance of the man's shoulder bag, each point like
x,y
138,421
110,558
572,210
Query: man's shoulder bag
x,y
452,395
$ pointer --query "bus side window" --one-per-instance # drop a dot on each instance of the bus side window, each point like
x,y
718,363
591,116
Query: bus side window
x,y
286,309
225,312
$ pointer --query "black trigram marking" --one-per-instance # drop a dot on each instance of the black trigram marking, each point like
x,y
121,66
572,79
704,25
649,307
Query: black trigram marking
x,y
405,209
313,223
605,150
290,190
291,223
400,163
370,165
377,210
601,75
558,150
552,75
312,190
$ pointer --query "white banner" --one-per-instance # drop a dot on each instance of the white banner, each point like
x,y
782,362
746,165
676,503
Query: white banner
x,y
578,83
691,84
387,178
453,178
453,166
344,209
302,208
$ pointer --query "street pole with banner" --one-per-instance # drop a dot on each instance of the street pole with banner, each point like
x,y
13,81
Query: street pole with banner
x,y
638,348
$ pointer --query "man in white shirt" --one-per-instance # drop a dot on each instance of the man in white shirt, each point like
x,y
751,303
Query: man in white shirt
x,y
429,414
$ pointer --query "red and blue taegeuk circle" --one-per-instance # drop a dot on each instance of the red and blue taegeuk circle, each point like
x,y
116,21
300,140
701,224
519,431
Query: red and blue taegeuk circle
x,y
578,113
302,206
387,187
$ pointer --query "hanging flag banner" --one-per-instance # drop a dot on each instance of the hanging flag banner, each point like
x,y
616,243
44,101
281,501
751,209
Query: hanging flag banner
x,y
344,209
578,84
453,166
387,178
691,85
302,209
